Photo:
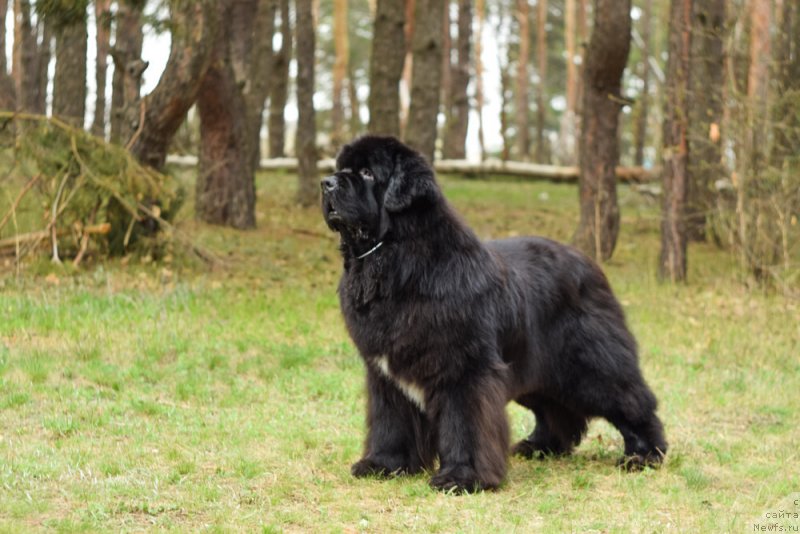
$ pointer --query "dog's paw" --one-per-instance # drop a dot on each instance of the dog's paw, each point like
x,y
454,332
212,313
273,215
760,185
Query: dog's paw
x,y
638,462
529,449
458,480
368,468
376,467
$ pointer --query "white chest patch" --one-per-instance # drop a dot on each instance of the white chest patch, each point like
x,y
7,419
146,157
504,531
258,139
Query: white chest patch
x,y
412,391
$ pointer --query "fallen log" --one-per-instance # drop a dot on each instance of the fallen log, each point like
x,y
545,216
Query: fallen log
x,y
533,171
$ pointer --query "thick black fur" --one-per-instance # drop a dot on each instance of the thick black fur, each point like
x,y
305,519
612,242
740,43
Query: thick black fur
x,y
451,329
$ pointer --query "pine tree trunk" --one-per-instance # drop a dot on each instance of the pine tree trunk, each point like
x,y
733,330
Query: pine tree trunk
x,y
103,47
166,106
256,66
25,59
522,83
599,151
355,103
7,90
128,68
454,145
386,67
754,154
565,149
672,263
231,103
43,56
340,71
279,91
447,46
786,129
69,83
305,143
541,54
640,137
480,8
426,76
225,190
408,60
705,112
3,60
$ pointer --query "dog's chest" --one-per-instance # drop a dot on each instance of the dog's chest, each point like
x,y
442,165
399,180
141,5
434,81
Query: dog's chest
x,y
411,390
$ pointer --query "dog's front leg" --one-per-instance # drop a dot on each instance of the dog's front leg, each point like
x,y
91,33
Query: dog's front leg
x,y
472,432
398,439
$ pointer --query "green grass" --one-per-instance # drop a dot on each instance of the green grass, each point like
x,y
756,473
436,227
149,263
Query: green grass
x,y
138,396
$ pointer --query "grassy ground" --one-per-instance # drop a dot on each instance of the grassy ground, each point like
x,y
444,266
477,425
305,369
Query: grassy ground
x,y
138,396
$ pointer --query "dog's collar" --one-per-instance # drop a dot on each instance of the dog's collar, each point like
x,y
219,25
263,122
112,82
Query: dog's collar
x,y
370,251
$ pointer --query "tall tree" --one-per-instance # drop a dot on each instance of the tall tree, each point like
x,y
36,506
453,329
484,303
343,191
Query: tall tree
x,y
386,67
606,57
7,90
480,8
230,103
455,136
522,83
672,263
640,136
753,160
253,63
128,68
279,90
567,126
405,77
102,17
306,130
784,155
787,84
190,55
24,60
705,103
426,76
3,12
44,54
541,59
340,70
69,82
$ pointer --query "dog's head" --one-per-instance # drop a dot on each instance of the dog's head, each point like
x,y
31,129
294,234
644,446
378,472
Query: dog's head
x,y
377,179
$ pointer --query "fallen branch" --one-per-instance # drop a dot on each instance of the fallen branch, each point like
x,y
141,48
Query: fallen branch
x,y
96,229
534,171
15,204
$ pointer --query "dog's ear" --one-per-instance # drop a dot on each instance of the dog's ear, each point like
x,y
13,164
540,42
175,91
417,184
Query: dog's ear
x,y
411,182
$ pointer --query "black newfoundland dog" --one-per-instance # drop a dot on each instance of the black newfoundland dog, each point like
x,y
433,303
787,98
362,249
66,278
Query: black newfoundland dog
x,y
451,329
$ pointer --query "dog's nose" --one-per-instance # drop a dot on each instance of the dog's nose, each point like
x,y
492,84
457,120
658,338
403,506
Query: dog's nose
x,y
328,183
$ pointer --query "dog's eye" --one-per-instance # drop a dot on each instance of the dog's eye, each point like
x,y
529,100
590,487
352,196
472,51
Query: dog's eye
x,y
366,174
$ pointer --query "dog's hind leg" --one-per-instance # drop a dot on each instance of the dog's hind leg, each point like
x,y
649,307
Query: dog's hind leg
x,y
557,431
635,418
630,406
